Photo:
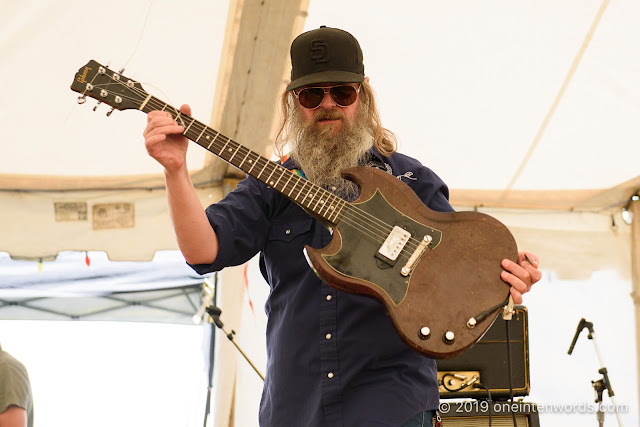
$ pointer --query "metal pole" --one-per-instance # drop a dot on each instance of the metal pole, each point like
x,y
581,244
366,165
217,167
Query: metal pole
x,y
634,207
212,347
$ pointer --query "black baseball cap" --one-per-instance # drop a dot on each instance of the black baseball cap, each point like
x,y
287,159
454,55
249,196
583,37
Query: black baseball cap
x,y
325,55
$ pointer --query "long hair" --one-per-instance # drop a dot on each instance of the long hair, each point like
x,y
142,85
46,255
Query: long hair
x,y
383,139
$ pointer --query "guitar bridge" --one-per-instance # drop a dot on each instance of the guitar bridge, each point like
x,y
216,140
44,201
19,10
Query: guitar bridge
x,y
393,245
408,267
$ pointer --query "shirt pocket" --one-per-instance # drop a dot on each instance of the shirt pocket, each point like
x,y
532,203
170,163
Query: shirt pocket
x,y
290,231
283,254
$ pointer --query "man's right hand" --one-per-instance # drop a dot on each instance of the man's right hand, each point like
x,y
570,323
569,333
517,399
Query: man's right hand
x,y
164,140
165,143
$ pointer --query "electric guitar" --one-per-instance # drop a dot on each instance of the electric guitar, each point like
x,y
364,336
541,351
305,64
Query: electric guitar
x,y
437,274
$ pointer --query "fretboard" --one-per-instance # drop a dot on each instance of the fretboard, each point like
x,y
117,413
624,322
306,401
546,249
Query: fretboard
x,y
319,201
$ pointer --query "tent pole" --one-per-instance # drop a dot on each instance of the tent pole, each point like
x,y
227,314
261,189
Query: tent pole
x,y
634,207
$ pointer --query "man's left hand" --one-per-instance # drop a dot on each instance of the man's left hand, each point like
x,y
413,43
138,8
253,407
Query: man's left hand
x,y
521,276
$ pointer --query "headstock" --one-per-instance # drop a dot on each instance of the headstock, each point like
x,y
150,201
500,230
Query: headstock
x,y
101,83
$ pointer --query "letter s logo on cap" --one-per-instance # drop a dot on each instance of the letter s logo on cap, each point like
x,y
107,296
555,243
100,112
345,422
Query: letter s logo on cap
x,y
319,52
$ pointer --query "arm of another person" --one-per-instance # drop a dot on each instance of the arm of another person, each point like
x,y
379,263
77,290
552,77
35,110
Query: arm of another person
x,y
13,416
166,144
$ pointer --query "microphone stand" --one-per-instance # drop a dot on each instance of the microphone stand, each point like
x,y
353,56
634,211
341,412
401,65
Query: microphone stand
x,y
211,292
215,312
209,300
603,383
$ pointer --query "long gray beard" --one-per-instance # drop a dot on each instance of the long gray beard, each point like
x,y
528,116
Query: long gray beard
x,y
322,153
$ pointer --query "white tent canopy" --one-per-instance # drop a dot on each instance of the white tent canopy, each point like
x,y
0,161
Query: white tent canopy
x,y
517,106
530,111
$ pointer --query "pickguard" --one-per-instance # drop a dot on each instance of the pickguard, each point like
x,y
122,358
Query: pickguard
x,y
356,257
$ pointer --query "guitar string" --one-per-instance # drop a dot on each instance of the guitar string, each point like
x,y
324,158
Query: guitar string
x,y
314,201
347,207
245,153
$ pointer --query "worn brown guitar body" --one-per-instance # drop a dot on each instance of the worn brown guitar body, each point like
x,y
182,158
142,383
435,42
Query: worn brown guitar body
x,y
456,278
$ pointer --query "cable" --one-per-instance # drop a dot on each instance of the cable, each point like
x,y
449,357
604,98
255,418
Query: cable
x,y
513,415
489,400
463,384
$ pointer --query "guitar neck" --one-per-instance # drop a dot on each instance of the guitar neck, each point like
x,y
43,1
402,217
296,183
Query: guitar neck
x,y
318,201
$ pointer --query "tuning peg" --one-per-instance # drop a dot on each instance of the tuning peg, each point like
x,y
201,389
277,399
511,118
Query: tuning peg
x,y
97,105
82,99
110,111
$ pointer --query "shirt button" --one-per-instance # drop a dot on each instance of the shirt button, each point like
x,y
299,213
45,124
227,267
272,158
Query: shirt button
x,y
328,297
330,375
287,232
328,336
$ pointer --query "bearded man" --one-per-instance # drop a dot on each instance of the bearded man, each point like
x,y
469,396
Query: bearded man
x,y
333,358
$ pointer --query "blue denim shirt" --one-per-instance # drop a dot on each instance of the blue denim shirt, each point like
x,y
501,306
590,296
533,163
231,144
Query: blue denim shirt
x,y
333,358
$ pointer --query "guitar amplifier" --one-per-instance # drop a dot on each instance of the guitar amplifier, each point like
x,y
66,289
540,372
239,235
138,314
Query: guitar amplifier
x,y
487,362
468,413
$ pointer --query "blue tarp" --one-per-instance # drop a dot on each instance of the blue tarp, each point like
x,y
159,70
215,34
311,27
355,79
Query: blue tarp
x,y
165,289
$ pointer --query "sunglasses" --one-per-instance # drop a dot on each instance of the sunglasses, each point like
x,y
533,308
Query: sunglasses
x,y
343,95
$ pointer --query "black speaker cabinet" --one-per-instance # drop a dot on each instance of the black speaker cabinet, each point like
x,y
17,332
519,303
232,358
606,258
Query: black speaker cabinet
x,y
476,414
487,361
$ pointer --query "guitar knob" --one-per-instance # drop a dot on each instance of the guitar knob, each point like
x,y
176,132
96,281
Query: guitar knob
x,y
82,99
449,337
424,333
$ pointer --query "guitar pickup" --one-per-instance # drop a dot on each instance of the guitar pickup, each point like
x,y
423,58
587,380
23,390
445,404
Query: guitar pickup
x,y
393,245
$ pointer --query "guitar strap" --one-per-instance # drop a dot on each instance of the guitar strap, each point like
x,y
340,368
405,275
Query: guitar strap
x,y
296,170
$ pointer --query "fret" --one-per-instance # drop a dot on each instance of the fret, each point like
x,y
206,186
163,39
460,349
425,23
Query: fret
x,y
234,153
297,181
178,116
328,209
306,194
223,147
187,129
301,188
262,170
318,195
335,209
312,197
327,206
212,139
253,164
293,183
340,209
244,159
200,136
284,187
165,106
320,202
282,173
269,177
